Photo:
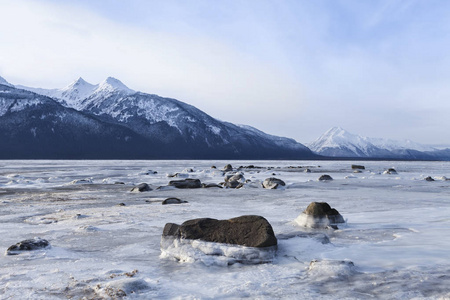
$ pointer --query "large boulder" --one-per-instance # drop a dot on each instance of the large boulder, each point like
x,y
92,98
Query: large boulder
x,y
250,231
273,183
188,183
27,245
320,215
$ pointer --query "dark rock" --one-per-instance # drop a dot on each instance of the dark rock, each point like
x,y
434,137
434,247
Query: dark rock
x,y
211,185
429,178
320,215
188,183
213,167
250,231
390,171
121,204
273,183
173,200
143,187
325,178
227,168
119,182
27,245
358,167
307,170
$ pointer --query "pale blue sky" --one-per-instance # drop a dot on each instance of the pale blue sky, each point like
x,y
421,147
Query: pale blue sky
x,y
290,68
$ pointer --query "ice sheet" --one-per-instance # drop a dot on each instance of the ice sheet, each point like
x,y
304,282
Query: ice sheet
x,y
396,235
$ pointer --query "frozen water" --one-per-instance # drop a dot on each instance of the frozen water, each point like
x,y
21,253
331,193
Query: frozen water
x,y
394,245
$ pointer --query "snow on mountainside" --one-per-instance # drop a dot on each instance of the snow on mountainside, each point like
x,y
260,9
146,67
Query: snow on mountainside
x,y
169,128
4,82
79,90
339,142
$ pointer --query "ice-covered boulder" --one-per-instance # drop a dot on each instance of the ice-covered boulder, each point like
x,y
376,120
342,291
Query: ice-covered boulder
x,y
234,181
27,245
142,187
319,215
273,183
249,230
188,183
246,239
331,269
325,178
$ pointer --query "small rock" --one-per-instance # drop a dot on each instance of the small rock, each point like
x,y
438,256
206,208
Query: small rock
x,y
357,171
173,200
121,204
188,183
211,185
358,167
213,167
27,245
307,170
429,178
119,182
325,178
227,168
273,183
390,171
143,187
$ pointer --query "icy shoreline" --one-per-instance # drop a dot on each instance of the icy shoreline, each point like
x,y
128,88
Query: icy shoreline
x,y
396,236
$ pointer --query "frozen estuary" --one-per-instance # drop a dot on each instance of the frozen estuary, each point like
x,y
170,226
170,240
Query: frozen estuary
x,y
105,240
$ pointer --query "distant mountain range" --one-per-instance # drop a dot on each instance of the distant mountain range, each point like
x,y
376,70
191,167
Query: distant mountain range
x,y
338,142
109,120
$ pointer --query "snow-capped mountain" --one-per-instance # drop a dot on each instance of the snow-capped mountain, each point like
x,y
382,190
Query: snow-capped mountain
x,y
337,142
164,127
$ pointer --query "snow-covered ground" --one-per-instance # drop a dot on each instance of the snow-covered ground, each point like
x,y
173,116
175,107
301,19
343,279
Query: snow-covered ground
x,y
395,244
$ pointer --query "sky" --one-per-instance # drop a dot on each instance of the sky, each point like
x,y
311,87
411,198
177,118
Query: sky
x,y
290,68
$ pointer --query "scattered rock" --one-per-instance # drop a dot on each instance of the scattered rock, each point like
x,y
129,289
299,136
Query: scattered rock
x,y
307,170
213,167
391,171
173,200
273,183
358,167
357,171
121,204
325,178
429,178
320,215
27,245
250,231
119,182
227,168
188,183
143,187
